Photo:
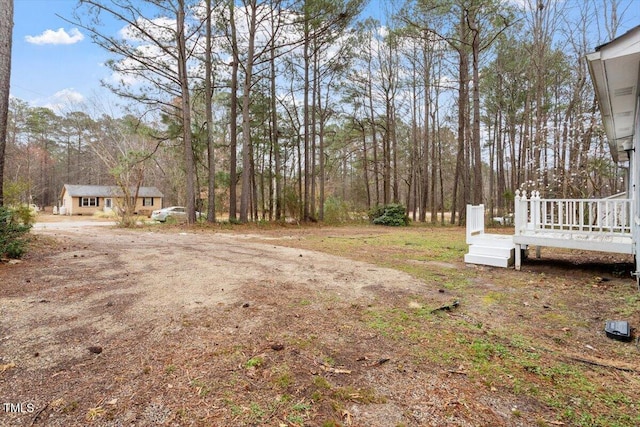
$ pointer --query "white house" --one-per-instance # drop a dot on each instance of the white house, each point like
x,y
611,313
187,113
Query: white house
x,y
609,225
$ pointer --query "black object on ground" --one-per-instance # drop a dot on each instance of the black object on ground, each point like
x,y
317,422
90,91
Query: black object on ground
x,y
446,307
618,330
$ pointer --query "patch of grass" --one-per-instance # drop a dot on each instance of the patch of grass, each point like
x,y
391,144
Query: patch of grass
x,y
283,376
339,396
302,343
202,388
236,410
630,305
299,413
321,383
405,249
301,406
483,350
70,407
499,356
254,362
256,411
494,298
389,323
94,413
328,361
259,412
360,395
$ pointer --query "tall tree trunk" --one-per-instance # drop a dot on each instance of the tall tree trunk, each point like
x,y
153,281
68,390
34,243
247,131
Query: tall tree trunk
x,y
412,204
208,89
315,83
436,158
476,146
321,160
365,164
462,161
6,37
434,142
500,155
394,154
186,115
306,112
374,130
425,134
246,190
254,187
275,141
233,125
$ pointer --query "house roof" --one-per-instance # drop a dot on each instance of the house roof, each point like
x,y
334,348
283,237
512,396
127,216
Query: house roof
x,y
615,72
106,191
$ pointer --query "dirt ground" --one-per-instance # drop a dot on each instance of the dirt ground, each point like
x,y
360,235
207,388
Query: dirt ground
x,y
167,326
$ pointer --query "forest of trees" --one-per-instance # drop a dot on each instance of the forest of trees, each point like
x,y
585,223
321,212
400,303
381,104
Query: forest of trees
x,y
273,109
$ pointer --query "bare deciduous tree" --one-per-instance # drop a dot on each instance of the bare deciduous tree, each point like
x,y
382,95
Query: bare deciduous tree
x,y
155,55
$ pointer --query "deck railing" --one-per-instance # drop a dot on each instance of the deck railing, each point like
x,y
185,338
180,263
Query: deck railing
x,y
475,221
584,216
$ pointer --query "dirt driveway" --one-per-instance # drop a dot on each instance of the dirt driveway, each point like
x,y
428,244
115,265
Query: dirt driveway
x,y
148,327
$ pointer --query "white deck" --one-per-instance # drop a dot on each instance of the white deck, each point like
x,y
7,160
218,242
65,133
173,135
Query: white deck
x,y
588,242
588,224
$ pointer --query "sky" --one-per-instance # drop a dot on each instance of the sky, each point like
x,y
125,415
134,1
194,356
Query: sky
x,y
55,64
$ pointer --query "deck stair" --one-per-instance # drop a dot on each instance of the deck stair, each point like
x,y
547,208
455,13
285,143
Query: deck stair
x,y
497,250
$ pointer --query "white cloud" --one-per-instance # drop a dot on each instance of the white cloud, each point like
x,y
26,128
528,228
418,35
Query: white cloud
x,y
161,28
63,100
56,37
70,96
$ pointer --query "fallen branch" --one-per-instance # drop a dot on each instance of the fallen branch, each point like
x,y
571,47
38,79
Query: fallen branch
x,y
554,423
37,415
448,307
7,366
333,370
601,364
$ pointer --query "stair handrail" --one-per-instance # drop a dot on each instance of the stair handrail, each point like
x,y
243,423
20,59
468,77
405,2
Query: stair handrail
x,y
475,221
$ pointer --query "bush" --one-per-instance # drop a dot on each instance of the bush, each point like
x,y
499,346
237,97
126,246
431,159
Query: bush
x,y
375,212
23,214
14,224
335,211
392,215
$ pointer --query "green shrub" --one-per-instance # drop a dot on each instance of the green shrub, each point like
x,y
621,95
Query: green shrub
x,y
392,215
336,211
292,202
375,212
24,214
14,224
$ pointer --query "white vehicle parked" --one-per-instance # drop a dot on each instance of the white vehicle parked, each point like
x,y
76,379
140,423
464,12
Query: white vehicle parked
x,y
179,213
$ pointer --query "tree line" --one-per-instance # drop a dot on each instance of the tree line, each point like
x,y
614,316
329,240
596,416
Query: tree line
x,y
266,110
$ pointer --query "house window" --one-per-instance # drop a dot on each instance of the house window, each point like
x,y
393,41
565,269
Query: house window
x,y
147,201
88,201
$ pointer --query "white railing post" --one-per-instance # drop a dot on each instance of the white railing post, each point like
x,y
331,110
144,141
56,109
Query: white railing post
x,y
470,223
535,210
520,211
